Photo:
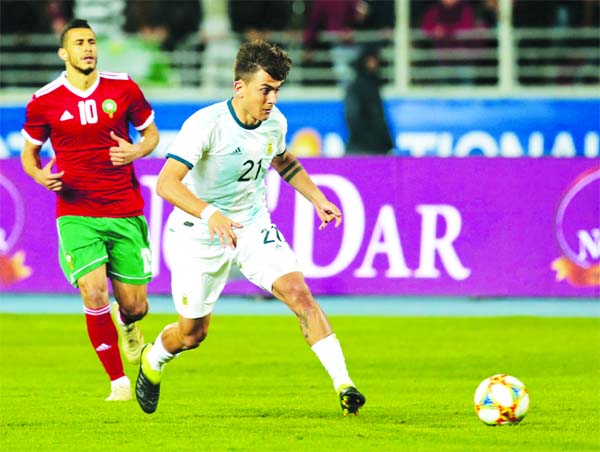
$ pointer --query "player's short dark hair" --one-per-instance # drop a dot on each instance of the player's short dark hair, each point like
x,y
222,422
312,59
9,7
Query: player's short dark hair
x,y
75,23
259,54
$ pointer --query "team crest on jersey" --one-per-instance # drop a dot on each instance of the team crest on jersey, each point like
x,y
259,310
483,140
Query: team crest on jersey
x,y
270,149
109,107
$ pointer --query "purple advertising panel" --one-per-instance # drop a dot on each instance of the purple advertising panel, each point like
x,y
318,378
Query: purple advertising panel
x,y
430,226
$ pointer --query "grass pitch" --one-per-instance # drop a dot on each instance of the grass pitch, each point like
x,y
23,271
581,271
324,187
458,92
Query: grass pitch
x,y
254,385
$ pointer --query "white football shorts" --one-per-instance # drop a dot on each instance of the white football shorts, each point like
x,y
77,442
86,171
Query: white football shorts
x,y
199,271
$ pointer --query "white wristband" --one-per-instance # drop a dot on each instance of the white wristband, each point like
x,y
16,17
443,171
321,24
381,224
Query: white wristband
x,y
207,212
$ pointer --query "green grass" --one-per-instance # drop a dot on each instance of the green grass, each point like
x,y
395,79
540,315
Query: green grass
x,y
254,385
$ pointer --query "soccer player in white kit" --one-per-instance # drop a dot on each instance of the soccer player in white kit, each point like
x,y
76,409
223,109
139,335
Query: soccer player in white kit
x,y
214,176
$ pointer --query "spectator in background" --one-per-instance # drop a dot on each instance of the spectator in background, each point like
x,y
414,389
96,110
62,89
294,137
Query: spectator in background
x,y
444,22
417,12
218,42
555,13
591,13
486,13
166,22
378,27
256,19
447,18
152,27
60,13
22,16
486,42
338,19
559,65
379,15
108,17
532,14
365,117
551,13
21,51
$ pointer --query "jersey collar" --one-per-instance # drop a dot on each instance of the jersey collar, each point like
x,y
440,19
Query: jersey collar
x,y
240,123
77,91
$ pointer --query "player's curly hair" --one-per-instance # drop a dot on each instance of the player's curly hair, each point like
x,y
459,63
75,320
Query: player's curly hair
x,y
75,23
259,54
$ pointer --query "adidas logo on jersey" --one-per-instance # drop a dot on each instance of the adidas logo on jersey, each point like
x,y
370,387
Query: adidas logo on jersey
x,y
237,151
66,116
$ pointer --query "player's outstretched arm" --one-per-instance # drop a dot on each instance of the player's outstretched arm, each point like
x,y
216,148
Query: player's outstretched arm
x,y
32,165
125,152
290,169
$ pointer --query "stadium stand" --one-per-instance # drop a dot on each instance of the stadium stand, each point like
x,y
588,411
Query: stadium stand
x,y
509,45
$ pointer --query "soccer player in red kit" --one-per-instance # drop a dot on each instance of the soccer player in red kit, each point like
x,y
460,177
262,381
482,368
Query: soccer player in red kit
x,y
102,232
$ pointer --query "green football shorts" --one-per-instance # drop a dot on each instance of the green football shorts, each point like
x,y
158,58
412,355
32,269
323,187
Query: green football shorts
x,y
86,243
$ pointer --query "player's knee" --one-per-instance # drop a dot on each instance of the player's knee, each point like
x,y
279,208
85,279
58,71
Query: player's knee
x,y
136,311
93,295
299,294
299,298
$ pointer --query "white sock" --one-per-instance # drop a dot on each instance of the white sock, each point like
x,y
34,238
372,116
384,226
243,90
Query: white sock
x,y
158,356
121,381
329,352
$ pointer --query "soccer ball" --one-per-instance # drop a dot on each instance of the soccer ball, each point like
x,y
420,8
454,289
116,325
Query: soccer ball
x,y
501,400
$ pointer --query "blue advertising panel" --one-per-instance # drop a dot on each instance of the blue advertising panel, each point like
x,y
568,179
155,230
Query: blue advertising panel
x,y
495,127
420,127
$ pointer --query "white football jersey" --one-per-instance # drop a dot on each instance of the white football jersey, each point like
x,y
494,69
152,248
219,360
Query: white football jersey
x,y
228,162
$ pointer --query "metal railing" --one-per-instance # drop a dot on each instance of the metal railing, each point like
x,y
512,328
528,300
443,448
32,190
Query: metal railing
x,y
482,60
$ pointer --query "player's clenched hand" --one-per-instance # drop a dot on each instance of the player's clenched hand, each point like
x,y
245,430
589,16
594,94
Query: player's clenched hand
x,y
52,181
124,152
328,212
221,226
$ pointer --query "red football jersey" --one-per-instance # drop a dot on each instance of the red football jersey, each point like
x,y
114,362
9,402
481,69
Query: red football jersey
x,y
78,124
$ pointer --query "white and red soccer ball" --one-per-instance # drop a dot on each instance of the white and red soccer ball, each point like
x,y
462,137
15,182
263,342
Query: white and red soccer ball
x,y
501,400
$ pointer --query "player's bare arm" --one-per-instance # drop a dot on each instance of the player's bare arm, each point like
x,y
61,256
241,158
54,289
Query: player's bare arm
x,y
290,169
125,152
170,187
32,165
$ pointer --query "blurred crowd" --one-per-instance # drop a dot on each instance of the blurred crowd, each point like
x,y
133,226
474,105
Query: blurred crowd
x,y
171,21
214,27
